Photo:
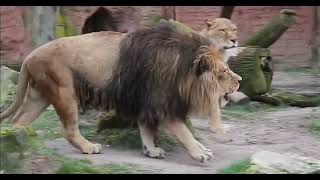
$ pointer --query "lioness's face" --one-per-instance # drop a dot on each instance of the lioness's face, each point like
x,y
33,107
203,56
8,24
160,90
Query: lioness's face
x,y
222,33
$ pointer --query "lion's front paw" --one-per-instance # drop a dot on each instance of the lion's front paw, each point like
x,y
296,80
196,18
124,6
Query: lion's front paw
x,y
202,156
201,153
92,149
154,152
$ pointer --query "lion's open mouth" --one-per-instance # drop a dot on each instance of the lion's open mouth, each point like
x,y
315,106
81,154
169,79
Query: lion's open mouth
x,y
226,47
226,96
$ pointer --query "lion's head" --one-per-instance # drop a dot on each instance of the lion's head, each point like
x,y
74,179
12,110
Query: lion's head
x,y
210,64
177,74
221,32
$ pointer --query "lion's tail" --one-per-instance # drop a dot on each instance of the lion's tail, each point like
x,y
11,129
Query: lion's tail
x,y
21,91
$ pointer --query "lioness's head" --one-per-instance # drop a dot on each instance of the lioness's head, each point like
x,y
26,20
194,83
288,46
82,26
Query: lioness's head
x,y
221,32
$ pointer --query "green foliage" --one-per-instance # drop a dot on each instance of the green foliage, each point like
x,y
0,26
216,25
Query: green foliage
x,y
302,70
249,110
7,88
14,147
238,167
248,65
273,30
17,145
71,166
48,125
64,26
129,138
315,123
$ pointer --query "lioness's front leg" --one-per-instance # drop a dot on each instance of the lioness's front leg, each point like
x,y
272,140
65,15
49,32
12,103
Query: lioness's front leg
x,y
215,123
194,147
147,137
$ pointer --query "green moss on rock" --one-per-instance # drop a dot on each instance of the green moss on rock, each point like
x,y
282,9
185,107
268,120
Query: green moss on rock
x,y
64,26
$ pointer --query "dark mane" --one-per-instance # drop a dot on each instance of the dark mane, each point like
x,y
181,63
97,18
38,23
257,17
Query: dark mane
x,y
152,64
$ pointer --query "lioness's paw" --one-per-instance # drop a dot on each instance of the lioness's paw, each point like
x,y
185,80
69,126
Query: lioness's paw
x,y
219,130
155,152
92,149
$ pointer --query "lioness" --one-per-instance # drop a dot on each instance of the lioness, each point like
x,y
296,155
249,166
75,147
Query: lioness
x,y
222,33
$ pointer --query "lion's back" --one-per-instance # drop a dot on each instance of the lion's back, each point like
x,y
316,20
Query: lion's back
x,y
93,55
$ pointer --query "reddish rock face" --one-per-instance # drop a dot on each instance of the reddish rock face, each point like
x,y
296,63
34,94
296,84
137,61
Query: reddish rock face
x,y
12,33
292,49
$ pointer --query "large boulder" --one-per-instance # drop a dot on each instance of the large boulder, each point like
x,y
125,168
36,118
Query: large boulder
x,y
266,162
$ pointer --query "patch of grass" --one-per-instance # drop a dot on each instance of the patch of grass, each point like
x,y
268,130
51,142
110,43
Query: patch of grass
x,y
71,166
302,70
17,146
48,125
66,165
123,138
251,109
129,138
315,124
238,167
83,166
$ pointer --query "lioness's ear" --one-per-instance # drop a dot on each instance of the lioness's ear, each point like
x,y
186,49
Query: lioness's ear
x,y
208,23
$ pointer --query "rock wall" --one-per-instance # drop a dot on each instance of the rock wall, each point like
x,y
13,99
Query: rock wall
x,y
292,49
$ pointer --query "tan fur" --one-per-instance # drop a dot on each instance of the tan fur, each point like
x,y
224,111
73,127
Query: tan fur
x,y
214,87
222,33
46,78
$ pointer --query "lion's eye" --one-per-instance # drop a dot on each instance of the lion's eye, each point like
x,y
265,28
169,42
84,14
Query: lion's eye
x,y
235,29
223,30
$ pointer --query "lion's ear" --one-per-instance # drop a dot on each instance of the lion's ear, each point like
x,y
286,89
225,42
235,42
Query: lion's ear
x,y
201,66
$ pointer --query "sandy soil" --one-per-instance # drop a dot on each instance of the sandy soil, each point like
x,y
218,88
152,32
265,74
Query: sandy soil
x,y
283,130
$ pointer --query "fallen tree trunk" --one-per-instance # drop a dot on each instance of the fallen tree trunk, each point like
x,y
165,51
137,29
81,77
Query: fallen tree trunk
x,y
227,12
254,65
273,30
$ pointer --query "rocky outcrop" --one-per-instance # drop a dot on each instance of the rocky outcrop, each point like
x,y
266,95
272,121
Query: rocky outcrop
x,y
266,162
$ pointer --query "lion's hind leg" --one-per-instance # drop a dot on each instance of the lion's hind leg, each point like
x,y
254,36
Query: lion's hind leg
x,y
194,147
33,105
55,82
66,106
147,136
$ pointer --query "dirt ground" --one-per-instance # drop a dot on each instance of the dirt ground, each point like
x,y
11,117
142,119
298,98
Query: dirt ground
x,y
282,130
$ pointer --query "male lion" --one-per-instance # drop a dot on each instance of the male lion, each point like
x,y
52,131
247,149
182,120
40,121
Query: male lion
x,y
173,75
161,77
